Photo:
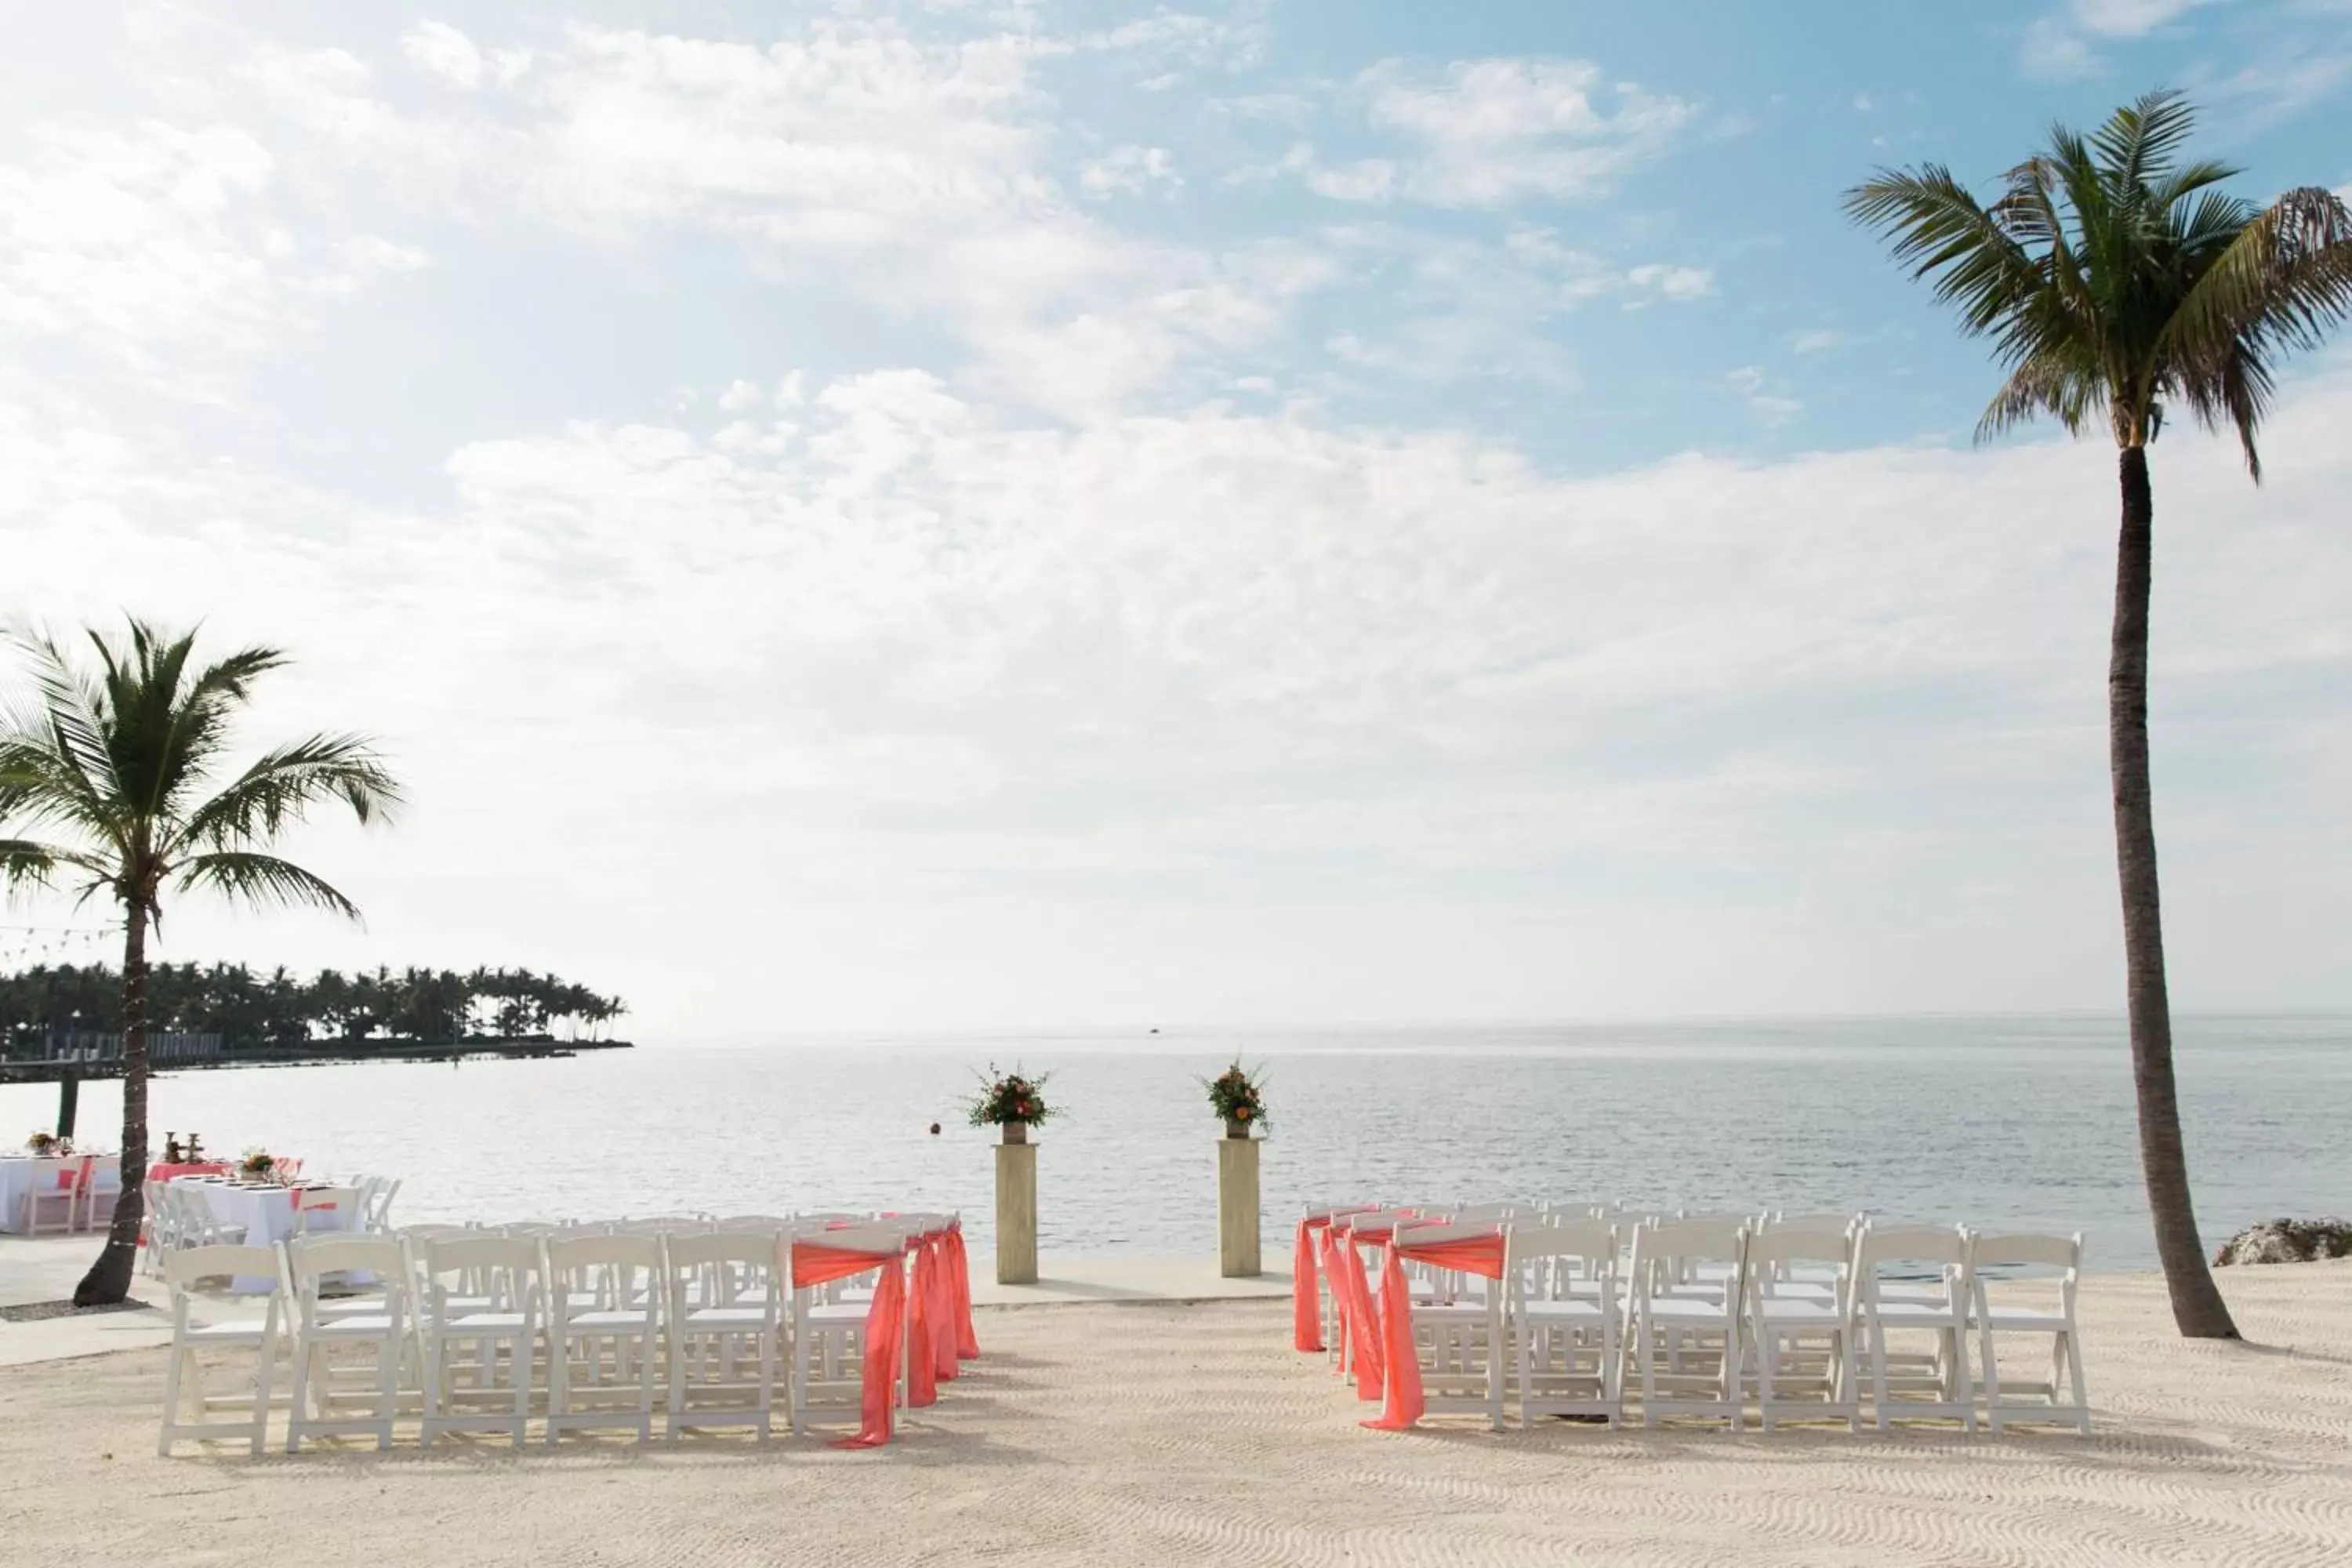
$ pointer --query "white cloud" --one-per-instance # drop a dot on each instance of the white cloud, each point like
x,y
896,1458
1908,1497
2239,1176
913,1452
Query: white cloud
x,y
909,169
373,253
2129,18
2052,51
1129,171
442,50
1366,179
739,395
916,657
1817,340
143,245
2059,48
1492,131
1674,282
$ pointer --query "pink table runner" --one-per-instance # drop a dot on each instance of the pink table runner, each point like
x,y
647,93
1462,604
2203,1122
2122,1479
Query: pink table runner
x,y
1479,1254
159,1172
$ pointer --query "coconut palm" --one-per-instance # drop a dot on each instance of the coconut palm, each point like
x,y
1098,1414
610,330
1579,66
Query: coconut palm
x,y
2118,282
118,757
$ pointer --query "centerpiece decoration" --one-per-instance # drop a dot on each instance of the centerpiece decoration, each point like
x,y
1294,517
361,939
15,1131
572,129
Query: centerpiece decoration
x,y
258,1166
1238,1097
1013,1100
42,1145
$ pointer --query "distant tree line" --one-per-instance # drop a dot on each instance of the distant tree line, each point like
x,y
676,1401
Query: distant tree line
x,y
281,1008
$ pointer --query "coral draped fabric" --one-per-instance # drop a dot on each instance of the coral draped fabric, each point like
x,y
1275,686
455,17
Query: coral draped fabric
x,y
1481,1254
934,1315
817,1264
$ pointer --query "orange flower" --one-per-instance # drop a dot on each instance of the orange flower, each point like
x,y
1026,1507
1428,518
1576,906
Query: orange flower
x,y
1243,1113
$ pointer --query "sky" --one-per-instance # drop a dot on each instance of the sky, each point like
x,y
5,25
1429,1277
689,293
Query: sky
x,y
976,514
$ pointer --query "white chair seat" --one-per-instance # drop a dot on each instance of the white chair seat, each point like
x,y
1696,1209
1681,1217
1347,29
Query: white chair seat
x,y
723,1317
837,1312
485,1323
229,1334
1566,1311
1798,1311
2024,1319
610,1320
356,1326
1919,1314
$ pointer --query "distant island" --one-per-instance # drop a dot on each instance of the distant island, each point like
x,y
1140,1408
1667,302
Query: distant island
x,y
225,1013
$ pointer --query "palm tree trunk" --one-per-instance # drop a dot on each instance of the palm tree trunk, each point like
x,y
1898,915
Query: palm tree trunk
x,y
2197,1305
108,1279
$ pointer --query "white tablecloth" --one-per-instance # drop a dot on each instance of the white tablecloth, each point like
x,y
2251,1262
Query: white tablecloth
x,y
266,1215
20,1173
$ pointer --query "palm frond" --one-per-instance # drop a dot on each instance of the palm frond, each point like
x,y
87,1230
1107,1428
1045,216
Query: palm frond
x,y
2045,383
2140,140
1935,226
72,714
282,786
25,865
263,881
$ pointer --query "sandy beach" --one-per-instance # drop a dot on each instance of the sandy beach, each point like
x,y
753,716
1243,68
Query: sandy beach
x,y
1091,1435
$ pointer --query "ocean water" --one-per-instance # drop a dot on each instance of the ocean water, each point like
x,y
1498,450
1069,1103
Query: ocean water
x,y
1995,1121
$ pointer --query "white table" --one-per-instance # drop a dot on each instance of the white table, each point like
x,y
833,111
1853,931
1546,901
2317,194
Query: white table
x,y
20,1175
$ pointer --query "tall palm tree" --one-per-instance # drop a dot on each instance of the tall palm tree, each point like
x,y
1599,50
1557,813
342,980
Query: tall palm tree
x,y
119,757
2117,281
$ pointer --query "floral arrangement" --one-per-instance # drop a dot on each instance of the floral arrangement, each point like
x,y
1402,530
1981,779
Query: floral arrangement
x,y
1238,1096
258,1166
41,1145
1010,1098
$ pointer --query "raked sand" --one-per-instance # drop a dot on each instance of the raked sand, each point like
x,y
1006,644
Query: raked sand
x,y
1106,1434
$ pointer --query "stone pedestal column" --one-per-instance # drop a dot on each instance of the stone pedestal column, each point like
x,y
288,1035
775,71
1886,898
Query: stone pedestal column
x,y
1237,1256
1016,1214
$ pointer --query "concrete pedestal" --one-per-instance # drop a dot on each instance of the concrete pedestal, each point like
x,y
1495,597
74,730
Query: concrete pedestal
x,y
1016,1214
1237,1257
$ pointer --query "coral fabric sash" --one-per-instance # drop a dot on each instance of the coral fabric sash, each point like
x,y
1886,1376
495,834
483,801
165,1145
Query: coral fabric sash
x,y
159,1172
1482,1255
967,1343
1306,1299
817,1264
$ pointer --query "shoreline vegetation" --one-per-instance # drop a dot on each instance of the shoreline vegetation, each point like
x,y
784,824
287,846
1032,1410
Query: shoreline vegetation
x,y
48,1011
318,1052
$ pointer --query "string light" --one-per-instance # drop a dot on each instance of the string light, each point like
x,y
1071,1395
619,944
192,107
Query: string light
x,y
35,946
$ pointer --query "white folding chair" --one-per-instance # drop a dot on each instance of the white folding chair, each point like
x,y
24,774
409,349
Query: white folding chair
x,y
1457,1335
2060,1398
376,1204
1683,1319
318,1210
1933,1300
1799,1325
185,1379
1563,1320
828,1338
479,1316
603,1326
725,1311
54,1190
94,1200
311,1262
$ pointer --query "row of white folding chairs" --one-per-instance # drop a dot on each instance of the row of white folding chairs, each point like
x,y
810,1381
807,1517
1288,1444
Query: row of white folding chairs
x,y
481,1330
1705,1313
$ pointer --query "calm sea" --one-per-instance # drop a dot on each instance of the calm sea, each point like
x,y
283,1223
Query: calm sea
x,y
2023,1121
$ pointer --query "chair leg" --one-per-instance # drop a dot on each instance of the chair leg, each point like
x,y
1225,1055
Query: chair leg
x,y
2074,1380
1994,1419
170,1400
264,1373
1878,1372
